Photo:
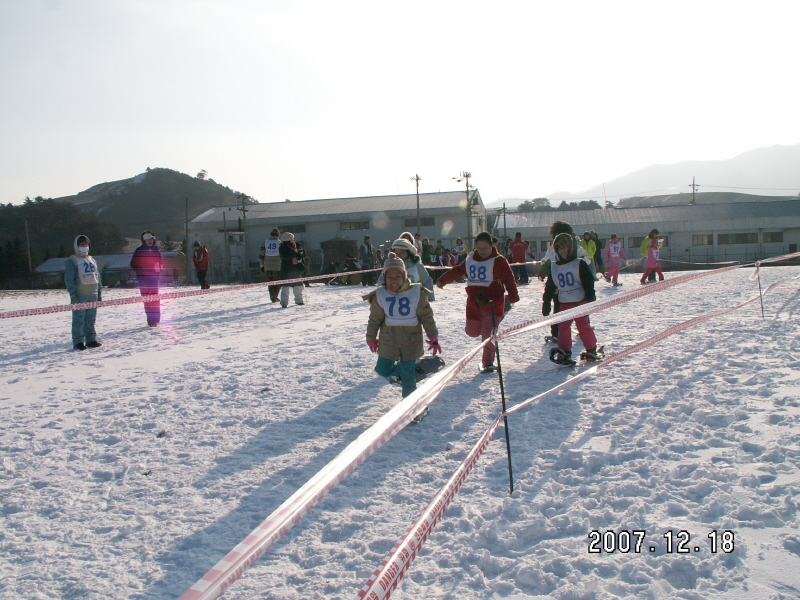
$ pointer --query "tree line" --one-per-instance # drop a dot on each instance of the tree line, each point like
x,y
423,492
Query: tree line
x,y
51,230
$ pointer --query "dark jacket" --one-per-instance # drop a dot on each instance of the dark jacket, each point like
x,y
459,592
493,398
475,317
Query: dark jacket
x,y
292,266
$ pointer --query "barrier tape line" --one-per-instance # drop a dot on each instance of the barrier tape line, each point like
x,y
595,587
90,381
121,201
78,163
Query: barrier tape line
x,y
386,578
598,305
167,296
392,569
214,583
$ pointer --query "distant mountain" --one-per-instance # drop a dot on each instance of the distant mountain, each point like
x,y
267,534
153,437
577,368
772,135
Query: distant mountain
x,y
763,172
154,200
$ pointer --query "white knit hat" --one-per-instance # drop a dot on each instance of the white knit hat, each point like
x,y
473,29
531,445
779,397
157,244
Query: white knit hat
x,y
405,245
288,236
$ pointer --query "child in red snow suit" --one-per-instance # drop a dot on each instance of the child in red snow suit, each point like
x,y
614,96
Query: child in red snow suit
x,y
613,255
653,264
574,280
489,277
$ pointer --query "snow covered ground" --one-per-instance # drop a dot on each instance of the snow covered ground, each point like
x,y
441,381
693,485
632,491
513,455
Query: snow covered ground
x,y
130,470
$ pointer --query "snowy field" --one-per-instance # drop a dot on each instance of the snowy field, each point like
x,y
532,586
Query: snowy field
x,y
128,471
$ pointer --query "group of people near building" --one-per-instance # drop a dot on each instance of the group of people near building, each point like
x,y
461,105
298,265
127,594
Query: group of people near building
x,y
400,306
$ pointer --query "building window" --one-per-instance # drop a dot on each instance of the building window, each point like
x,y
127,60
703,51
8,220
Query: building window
x,y
544,245
727,239
773,237
299,228
353,225
704,239
426,222
635,242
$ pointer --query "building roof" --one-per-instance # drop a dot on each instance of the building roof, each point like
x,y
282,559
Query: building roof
x,y
110,262
662,214
337,206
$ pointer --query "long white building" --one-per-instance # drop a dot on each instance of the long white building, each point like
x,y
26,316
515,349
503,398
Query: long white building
x,y
697,233
234,238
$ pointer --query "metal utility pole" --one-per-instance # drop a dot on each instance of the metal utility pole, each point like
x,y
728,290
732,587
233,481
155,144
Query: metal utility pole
x,y
28,243
187,246
417,179
694,189
464,176
244,198
227,248
505,233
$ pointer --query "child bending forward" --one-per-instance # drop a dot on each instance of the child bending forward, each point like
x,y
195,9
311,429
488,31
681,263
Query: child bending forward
x,y
398,311
575,283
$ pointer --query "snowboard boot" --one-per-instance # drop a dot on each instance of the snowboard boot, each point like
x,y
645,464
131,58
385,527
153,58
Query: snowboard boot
x,y
561,357
593,354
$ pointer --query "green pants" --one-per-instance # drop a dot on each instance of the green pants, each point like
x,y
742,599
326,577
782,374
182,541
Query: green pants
x,y
404,369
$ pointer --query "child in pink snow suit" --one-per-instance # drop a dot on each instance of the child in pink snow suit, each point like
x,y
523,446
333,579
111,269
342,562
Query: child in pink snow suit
x,y
653,263
575,282
613,255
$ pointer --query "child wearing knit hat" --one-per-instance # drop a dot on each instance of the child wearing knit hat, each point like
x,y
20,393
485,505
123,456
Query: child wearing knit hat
x,y
398,312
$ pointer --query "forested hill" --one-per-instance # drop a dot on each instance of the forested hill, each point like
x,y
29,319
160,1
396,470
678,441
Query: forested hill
x,y
154,200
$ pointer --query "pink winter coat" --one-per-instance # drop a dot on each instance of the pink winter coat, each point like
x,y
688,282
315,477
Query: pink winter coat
x,y
652,256
613,255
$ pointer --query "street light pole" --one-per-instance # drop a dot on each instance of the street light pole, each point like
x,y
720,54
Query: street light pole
x,y
464,176
417,179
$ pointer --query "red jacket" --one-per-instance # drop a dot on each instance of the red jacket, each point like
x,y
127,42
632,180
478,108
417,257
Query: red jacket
x,y
200,258
479,296
519,249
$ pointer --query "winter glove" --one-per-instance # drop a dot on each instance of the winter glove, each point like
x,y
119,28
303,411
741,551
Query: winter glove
x,y
546,308
433,346
373,345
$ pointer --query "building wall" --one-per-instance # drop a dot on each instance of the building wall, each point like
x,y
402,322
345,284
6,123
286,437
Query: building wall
x,y
383,229
680,235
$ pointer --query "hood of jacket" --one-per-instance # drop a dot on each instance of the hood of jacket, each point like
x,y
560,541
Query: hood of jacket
x,y
80,238
565,239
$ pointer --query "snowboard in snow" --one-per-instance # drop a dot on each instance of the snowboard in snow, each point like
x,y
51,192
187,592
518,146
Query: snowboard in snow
x,y
427,365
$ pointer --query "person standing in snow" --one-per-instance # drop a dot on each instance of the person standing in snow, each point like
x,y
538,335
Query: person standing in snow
x,y
270,262
398,312
292,267
84,285
613,255
146,262
415,270
575,283
489,277
644,249
518,248
200,260
653,264
366,253
550,298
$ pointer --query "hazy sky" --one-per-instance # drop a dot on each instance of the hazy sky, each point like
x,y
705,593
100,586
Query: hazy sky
x,y
339,98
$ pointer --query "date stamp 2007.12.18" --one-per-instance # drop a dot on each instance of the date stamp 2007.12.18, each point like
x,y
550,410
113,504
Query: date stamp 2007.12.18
x,y
672,541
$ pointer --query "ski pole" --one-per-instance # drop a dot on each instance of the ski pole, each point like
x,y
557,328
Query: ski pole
x,y
502,396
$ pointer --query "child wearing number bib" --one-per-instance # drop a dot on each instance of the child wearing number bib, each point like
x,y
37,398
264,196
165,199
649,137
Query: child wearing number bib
x,y
653,264
574,281
82,278
489,277
398,312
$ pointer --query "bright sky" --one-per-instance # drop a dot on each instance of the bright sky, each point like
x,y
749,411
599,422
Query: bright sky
x,y
325,99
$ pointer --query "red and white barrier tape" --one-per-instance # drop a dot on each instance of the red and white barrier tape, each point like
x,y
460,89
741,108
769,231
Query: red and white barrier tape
x,y
592,307
247,552
386,578
167,296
